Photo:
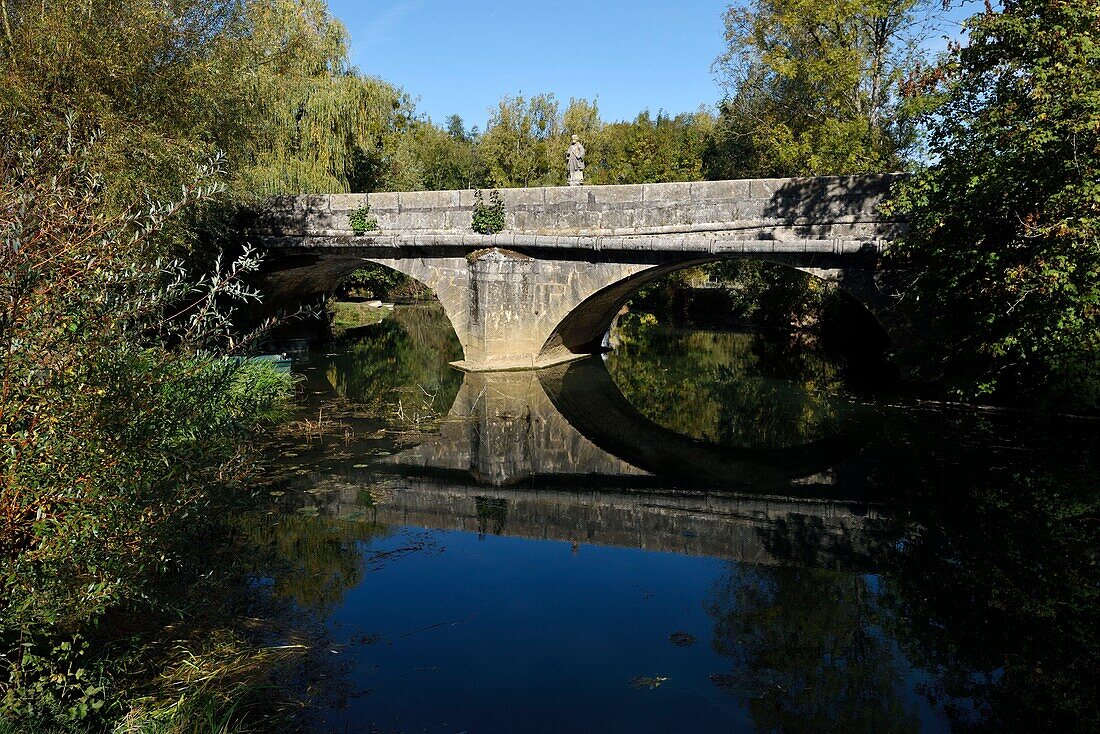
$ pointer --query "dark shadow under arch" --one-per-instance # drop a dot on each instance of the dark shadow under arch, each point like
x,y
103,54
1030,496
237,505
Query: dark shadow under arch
x,y
292,280
583,329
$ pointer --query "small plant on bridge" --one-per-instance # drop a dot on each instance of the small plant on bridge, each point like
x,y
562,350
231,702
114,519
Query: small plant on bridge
x,y
488,218
361,221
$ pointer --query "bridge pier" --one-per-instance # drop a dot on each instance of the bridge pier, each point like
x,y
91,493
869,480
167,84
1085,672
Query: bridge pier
x,y
506,307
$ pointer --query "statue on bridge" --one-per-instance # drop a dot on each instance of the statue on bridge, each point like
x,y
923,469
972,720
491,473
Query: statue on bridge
x,y
576,162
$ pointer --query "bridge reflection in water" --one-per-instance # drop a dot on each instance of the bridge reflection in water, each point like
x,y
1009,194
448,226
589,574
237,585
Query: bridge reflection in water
x,y
876,568
561,454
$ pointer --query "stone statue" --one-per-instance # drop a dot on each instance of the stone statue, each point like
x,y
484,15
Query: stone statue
x,y
576,162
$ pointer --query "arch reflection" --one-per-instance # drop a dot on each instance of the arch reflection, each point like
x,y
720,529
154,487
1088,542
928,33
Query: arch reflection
x,y
571,423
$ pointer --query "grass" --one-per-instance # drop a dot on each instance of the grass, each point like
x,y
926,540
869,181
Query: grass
x,y
224,688
351,315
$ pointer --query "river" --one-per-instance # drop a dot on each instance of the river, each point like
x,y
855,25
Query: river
x,y
699,531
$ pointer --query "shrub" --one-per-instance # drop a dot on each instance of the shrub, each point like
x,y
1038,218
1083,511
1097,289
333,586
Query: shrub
x,y
361,221
488,219
120,421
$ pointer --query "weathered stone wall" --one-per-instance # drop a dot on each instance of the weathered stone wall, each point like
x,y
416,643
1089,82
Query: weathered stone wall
x,y
545,290
843,206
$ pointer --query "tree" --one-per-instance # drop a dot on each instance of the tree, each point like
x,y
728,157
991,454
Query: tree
x,y
125,430
166,85
517,144
429,158
120,425
651,149
318,125
1001,264
812,87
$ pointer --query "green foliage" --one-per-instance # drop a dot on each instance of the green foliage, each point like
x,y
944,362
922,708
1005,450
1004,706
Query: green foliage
x,y
518,145
772,295
1001,264
361,221
378,281
428,158
344,315
649,150
812,87
166,85
115,445
526,142
319,125
488,218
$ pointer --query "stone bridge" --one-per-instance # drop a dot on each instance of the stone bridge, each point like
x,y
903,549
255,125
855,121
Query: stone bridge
x,y
546,289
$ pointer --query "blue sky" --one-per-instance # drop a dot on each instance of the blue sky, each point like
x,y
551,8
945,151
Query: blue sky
x,y
461,56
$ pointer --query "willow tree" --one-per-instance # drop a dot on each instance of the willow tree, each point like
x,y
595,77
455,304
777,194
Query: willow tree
x,y
164,86
320,126
146,78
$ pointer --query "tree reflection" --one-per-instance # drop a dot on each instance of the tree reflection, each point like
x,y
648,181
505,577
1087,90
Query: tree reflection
x,y
310,559
999,580
808,649
399,367
733,388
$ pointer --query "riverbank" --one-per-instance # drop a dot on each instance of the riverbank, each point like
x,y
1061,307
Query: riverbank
x,y
124,596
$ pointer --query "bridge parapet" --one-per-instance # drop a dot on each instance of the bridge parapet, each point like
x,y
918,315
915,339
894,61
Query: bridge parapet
x,y
836,207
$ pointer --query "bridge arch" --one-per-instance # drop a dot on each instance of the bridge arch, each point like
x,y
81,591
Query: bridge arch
x,y
296,278
514,311
583,328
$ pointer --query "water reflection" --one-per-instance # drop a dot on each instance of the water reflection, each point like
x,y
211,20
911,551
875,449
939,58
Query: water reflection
x,y
732,388
808,651
532,549
571,422
590,400
398,367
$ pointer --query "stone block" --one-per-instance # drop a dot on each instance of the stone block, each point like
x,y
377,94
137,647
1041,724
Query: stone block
x,y
664,193
711,191
766,188
535,197
424,200
617,219
615,195
568,196
381,202
708,213
458,220
466,198
346,202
